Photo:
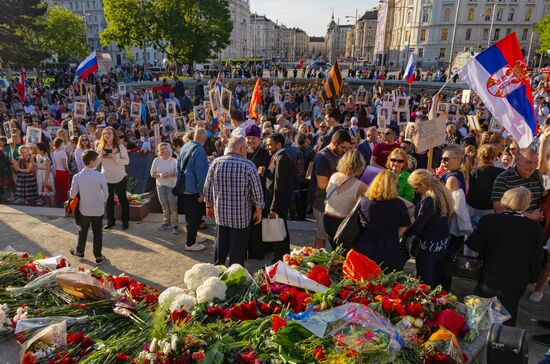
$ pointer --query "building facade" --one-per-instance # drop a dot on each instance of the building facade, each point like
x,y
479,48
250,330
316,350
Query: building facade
x,y
335,40
360,38
425,27
93,15
316,48
238,40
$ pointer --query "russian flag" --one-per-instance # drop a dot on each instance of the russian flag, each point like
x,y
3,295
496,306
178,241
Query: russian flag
x,y
88,66
499,76
409,71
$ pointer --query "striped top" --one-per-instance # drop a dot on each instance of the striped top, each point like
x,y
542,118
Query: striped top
x,y
511,179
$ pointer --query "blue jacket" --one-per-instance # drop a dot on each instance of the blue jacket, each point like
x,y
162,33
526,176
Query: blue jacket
x,y
366,152
197,168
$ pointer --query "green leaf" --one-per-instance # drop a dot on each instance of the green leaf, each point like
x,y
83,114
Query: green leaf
x,y
214,354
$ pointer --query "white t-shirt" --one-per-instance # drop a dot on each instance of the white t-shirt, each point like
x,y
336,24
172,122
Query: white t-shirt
x,y
161,165
58,156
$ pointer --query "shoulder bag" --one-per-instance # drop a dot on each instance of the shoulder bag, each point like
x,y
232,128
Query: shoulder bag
x,y
349,228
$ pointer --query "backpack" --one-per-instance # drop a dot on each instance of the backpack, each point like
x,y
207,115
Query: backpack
x,y
299,169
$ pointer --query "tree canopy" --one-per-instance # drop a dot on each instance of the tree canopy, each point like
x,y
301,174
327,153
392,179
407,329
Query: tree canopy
x,y
187,30
30,32
19,19
63,33
543,29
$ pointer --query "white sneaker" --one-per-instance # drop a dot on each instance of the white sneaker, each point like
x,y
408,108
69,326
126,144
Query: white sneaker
x,y
164,227
194,248
175,230
19,201
535,297
200,239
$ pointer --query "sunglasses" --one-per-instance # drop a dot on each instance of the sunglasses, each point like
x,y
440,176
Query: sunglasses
x,y
322,127
446,159
399,161
388,133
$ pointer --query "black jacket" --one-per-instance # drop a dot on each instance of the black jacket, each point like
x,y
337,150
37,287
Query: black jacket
x,y
278,175
511,248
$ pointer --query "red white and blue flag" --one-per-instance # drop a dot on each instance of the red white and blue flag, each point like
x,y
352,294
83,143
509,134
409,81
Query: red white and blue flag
x,y
87,66
219,82
409,71
499,76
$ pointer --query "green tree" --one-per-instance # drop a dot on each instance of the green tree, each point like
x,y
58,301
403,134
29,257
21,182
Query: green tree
x,y
543,30
63,33
18,20
187,30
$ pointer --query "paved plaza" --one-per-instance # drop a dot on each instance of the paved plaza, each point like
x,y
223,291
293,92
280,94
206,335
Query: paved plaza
x,y
158,258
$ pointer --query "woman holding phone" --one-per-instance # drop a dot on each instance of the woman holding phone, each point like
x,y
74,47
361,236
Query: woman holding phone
x,y
114,157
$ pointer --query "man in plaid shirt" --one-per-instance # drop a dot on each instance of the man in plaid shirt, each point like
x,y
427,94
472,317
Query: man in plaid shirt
x,y
231,190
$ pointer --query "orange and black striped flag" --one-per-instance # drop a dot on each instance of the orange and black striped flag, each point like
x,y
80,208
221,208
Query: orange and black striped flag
x,y
334,83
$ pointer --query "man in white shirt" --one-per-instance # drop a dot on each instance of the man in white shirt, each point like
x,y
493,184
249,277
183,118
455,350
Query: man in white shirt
x,y
91,187
239,124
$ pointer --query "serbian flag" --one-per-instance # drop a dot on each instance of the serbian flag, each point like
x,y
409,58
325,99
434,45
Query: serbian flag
x,y
88,66
409,71
256,100
499,76
21,88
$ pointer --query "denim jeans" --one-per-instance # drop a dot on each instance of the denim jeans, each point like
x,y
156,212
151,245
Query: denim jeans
x,y
169,205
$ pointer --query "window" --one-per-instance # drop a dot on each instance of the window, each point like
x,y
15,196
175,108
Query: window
x,y
425,16
420,52
408,35
447,14
528,14
468,34
409,17
423,35
511,15
488,13
444,34
442,52
499,14
524,34
471,14
485,34
496,35
508,31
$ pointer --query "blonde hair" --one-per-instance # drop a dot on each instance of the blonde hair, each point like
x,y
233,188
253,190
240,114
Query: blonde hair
x,y
460,154
383,187
63,134
486,155
351,163
435,189
403,155
516,199
161,146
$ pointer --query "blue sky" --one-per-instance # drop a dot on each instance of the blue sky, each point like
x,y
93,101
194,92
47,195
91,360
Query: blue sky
x,y
311,15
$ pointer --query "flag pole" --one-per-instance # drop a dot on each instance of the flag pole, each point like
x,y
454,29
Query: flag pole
x,y
81,84
453,43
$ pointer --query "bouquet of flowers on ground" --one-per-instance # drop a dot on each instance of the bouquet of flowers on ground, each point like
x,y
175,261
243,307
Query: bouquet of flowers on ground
x,y
481,313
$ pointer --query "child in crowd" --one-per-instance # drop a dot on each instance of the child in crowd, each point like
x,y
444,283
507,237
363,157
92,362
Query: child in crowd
x,y
44,175
164,170
26,189
6,182
60,162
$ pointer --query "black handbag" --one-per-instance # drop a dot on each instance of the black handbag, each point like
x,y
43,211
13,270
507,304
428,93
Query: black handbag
x,y
506,344
464,266
349,228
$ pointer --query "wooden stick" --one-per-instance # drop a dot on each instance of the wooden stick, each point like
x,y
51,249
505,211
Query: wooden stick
x,y
430,158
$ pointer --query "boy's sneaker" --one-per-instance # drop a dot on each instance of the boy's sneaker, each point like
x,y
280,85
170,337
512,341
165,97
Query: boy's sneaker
x,y
175,230
100,260
194,248
164,227
75,253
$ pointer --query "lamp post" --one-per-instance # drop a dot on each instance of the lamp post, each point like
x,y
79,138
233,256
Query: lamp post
x,y
356,17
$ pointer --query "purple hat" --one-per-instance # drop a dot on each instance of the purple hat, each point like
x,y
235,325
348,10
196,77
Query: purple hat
x,y
253,130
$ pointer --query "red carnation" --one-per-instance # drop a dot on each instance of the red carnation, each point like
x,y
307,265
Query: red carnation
x,y
28,358
277,323
400,309
387,304
122,357
320,275
198,356
415,309
319,353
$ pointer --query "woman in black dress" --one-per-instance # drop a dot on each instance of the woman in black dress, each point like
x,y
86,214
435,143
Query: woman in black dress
x,y
383,218
510,246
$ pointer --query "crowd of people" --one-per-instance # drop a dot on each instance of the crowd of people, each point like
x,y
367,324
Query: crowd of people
x,y
478,194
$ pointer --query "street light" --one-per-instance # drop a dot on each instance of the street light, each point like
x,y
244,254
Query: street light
x,y
356,17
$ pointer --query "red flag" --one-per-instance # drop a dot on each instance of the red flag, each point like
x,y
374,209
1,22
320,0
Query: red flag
x,y
21,86
256,100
